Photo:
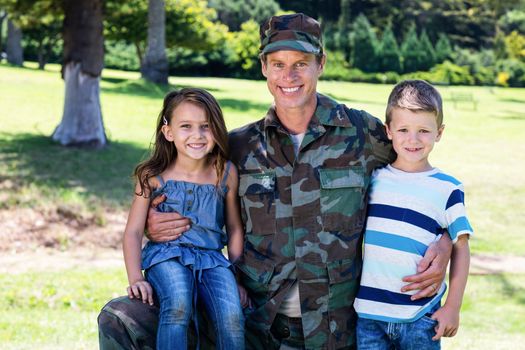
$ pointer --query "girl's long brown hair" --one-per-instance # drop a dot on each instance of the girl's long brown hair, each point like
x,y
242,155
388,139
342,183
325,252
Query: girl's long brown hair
x,y
163,152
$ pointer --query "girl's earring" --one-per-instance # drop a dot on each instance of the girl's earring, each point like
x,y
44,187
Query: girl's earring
x,y
164,120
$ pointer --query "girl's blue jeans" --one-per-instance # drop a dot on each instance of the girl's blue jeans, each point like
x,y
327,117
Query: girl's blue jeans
x,y
380,335
217,291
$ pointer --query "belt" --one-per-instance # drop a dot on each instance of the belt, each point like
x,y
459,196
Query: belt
x,y
288,330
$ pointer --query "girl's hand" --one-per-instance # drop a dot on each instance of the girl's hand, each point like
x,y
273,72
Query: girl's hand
x,y
141,290
448,322
243,295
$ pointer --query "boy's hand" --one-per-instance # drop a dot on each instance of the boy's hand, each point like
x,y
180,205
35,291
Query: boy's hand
x,y
243,295
141,290
448,322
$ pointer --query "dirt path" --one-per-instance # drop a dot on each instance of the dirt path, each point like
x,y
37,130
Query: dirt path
x,y
54,260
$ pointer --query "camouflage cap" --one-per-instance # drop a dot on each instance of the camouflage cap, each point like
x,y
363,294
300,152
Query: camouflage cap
x,y
296,32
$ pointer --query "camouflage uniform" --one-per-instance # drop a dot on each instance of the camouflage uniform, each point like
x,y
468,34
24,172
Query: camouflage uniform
x,y
304,217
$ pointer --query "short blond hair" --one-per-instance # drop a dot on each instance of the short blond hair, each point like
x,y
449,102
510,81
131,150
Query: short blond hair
x,y
415,95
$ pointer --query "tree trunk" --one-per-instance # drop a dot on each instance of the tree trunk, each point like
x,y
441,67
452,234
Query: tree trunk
x,y
82,123
3,15
14,51
155,65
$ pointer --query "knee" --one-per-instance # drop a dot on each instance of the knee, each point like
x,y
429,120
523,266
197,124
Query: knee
x,y
175,311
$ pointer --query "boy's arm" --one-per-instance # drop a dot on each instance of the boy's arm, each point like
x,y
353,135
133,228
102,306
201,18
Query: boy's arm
x,y
448,315
132,248
431,270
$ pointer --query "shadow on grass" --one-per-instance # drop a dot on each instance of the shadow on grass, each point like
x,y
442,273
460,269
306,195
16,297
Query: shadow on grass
x,y
510,290
35,160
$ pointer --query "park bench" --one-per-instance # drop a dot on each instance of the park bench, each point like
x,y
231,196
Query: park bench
x,y
464,97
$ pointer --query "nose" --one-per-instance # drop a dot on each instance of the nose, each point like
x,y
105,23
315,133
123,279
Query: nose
x,y
413,137
289,74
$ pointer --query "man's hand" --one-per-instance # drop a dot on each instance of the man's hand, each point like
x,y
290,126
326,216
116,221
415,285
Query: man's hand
x,y
243,295
163,227
431,269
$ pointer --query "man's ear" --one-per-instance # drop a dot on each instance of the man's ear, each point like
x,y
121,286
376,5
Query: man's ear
x,y
321,65
166,130
264,67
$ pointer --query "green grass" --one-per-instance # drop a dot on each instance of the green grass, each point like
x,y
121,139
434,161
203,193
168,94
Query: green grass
x,y
483,148
58,310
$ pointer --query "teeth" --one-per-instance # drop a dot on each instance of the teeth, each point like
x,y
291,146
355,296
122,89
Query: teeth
x,y
294,89
196,145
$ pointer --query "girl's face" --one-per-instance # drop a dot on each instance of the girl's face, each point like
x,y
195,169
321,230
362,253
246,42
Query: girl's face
x,y
190,131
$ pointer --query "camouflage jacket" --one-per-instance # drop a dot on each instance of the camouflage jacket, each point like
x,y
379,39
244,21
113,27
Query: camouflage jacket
x,y
304,217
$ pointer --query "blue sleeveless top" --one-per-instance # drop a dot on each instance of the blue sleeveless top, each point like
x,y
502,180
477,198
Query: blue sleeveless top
x,y
199,247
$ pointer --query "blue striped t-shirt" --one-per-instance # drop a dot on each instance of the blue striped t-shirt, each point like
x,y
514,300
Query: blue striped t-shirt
x,y
406,213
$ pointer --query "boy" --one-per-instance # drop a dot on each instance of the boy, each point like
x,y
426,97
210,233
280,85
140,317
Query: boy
x,y
411,205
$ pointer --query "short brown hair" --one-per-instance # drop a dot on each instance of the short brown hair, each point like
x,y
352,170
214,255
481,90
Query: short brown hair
x,y
415,95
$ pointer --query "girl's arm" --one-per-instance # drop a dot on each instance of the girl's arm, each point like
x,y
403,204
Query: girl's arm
x,y
235,229
132,247
234,226
448,315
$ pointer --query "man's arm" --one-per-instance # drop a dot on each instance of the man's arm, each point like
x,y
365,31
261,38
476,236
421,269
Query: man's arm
x,y
431,270
162,227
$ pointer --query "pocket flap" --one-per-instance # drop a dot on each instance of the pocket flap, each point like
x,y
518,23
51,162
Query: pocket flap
x,y
341,177
257,269
256,183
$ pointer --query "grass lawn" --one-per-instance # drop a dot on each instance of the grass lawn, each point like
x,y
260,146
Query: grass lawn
x,y
482,147
58,310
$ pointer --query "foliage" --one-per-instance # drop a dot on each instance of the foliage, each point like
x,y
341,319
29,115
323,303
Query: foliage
x,y
515,45
513,20
235,12
481,65
189,24
246,46
389,57
364,45
511,72
120,55
344,27
443,48
427,50
412,52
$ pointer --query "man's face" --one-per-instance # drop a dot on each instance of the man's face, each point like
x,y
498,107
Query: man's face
x,y
292,78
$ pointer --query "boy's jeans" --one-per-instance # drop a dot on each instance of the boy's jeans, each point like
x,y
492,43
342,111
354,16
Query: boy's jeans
x,y
174,285
378,335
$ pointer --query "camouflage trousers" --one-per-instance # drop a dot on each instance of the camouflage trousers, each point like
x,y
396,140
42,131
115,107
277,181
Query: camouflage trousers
x,y
129,324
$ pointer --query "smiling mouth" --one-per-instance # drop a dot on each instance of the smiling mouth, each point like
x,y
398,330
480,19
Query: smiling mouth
x,y
196,145
413,149
290,90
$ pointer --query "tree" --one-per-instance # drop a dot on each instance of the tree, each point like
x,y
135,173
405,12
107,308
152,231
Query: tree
x,y
344,27
428,52
83,59
3,15
443,48
14,51
413,56
235,12
389,55
364,45
189,24
155,65
246,47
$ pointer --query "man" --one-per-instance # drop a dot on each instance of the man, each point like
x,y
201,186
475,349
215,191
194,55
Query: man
x,y
304,170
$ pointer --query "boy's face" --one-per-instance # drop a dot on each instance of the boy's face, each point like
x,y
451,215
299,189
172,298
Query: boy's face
x,y
413,135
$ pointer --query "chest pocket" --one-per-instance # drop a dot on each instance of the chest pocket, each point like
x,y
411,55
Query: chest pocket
x,y
257,192
342,196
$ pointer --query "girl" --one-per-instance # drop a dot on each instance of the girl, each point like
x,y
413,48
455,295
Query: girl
x,y
189,166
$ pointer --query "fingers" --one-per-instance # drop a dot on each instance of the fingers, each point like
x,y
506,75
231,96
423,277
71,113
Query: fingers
x,y
424,263
157,200
142,291
439,331
425,291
